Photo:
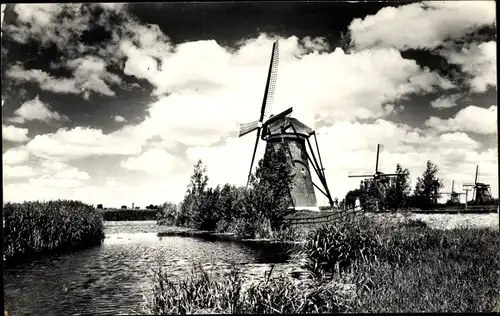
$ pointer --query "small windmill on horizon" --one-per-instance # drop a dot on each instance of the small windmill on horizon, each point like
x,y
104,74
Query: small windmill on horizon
x,y
380,179
454,196
278,129
481,193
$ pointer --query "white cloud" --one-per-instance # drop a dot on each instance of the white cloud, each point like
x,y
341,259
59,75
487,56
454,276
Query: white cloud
x,y
154,161
15,156
479,61
119,119
470,119
36,110
14,134
50,181
89,75
210,93
421,25
10,172
445,102
81,142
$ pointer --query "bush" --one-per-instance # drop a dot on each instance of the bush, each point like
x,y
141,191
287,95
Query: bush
x,y
36,227
129,215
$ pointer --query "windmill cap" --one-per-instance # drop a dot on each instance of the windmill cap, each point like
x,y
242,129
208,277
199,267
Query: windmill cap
x,y
275,128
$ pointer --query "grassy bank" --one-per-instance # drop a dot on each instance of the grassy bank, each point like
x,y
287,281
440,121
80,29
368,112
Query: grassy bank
x,y
33,228
358,265
128,215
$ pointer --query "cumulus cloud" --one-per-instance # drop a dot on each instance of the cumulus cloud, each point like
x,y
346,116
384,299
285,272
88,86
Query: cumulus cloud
x,y
15,156
445,102
470,119
10,172
153,161
421,25
50,181
119,119
81,142
479,62
36,110
89,75
209,94
14,134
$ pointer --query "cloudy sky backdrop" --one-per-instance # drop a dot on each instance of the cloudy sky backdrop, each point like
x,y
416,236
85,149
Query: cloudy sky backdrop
x,y
114,104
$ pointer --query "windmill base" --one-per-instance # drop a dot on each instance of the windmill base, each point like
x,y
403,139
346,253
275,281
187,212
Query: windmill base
x,y
306,208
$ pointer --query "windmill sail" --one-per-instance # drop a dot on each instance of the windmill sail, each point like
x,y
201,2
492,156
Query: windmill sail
x,y
272,76
266,103
249,127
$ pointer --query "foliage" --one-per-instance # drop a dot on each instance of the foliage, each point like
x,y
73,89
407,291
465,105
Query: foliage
x,y
129,215
36,227
427,187
124,207
250,212
168,214
99,206
399,190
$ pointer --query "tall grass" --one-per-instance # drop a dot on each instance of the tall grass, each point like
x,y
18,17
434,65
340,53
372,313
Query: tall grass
x,y
129,215
203,293
41,227
396,267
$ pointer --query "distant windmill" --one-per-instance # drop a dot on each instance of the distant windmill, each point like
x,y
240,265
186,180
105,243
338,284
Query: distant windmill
x,y
282,128
454,196
481,193
379,177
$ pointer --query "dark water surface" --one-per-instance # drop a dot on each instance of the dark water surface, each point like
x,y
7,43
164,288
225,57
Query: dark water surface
x,y
115,277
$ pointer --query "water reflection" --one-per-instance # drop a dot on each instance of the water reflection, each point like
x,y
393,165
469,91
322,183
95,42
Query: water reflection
x,y
112,278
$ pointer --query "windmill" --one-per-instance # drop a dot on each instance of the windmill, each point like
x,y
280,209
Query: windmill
x,y
454,196
481,193
281,128
379,178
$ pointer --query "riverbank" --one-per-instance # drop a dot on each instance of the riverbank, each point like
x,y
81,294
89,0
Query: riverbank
x,y
36,228
358,265
297,233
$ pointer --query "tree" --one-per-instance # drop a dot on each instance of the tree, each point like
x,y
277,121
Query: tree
x,y
398,190
99,206
124,207
269,194
427,187
193,202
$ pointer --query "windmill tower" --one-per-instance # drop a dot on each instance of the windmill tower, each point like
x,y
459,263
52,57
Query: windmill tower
x,y
278,129
481,193
380,179
454,196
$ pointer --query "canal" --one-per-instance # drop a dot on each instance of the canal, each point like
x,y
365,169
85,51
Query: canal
x,y
116,277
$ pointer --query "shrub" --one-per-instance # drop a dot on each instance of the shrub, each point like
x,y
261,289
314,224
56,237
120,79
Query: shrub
x,y
36,227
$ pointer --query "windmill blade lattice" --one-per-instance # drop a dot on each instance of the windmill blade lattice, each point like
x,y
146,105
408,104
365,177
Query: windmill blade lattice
x,y
267,103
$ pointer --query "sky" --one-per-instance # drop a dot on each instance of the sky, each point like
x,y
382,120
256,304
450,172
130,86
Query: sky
x,y
115,103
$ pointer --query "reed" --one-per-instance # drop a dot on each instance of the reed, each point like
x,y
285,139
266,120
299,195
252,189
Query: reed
x,y
203,293
33,228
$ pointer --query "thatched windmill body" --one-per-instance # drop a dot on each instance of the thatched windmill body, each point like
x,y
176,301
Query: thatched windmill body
x,y
380,179
278,129
481,193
